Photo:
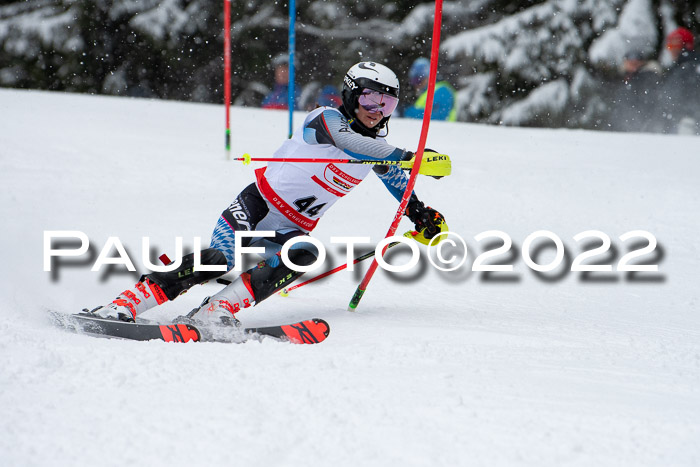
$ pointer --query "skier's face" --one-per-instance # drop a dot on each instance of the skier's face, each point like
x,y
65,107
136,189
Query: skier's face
x,y
367,118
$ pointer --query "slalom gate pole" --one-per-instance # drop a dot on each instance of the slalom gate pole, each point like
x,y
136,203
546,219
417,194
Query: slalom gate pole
x,y
291,68
435,49
286,291
227,74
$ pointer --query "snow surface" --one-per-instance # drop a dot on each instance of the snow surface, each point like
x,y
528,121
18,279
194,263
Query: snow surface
x,y
433,369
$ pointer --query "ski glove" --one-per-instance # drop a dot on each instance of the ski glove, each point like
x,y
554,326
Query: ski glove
x,y
426,219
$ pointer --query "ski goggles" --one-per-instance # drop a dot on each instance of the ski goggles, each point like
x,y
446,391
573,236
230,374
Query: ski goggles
x,y
375,101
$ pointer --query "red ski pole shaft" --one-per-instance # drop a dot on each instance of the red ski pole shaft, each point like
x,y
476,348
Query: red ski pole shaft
x,y
359,292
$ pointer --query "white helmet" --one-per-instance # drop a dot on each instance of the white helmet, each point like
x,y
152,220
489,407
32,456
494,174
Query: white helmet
x,y
368,75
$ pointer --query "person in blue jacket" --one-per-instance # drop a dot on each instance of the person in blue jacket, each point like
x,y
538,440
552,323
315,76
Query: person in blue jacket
x,y
443,100
278,98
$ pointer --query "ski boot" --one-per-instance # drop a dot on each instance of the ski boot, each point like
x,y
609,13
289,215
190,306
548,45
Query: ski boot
x,y
221,309
132,302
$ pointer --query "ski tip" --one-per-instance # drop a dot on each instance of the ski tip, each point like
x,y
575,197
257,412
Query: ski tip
x,y
324,327
312,331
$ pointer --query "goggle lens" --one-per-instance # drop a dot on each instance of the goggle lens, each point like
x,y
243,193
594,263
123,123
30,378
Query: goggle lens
x,y
374,101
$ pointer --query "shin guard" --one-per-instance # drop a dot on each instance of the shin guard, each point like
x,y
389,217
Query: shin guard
x,y
266,278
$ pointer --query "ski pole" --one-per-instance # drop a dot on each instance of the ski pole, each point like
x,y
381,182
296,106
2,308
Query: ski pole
x,y
247,159
437,165
286,291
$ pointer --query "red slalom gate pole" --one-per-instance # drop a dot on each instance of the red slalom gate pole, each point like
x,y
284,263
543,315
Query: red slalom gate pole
x,y
227,73
435,49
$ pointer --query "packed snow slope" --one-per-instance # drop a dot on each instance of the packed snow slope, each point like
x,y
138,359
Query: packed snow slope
x,y
434,368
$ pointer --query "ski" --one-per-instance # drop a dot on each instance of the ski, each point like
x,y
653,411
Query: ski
x,y
311,331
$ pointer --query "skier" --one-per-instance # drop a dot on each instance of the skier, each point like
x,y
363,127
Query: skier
x,y
278,98
289,198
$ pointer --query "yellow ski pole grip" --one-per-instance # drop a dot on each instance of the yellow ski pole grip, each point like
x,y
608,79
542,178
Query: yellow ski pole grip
x,y
436,165
433,164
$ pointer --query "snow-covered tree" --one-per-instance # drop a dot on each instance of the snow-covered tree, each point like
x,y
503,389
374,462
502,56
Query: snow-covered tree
x,y
536,62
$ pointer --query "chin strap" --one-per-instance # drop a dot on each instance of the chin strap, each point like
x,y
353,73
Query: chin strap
x,y
357,125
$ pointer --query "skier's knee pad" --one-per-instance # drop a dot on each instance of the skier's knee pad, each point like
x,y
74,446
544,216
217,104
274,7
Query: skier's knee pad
x,y
181,279
266,279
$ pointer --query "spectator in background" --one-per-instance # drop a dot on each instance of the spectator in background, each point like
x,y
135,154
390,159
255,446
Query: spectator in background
x,y
681,87
317,95
443,99
279,96
330,97
636,106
